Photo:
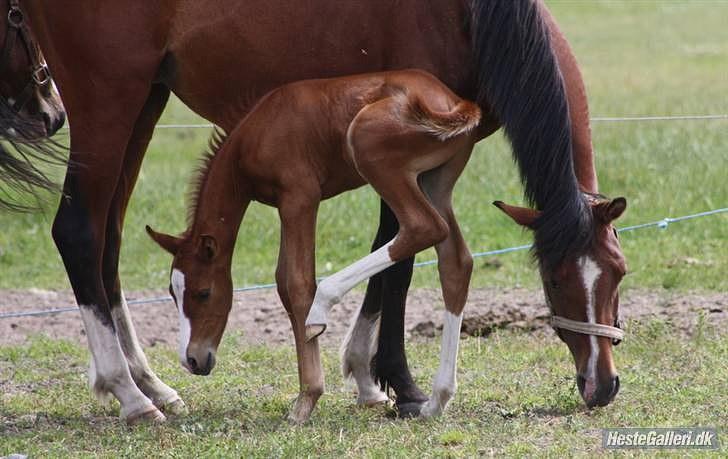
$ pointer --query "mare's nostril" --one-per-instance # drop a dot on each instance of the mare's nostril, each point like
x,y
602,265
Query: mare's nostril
x,y
580,383
615,387
192,363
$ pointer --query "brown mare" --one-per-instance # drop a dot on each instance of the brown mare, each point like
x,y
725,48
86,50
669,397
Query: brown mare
x,y
115,64
404,133
30,111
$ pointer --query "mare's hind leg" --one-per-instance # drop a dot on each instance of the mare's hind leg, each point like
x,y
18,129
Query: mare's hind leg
x,y
161,395
296,280
377,333
100,132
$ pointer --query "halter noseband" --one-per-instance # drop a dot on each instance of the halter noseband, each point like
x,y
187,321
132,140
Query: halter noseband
x,y
40,75
588,328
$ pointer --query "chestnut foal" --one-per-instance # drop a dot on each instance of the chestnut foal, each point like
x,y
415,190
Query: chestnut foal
x,y
405,133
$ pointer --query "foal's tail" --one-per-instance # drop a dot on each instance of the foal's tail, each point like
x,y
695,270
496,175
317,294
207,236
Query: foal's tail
x,y
463,118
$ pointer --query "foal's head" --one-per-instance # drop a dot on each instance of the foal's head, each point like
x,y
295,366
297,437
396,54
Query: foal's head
x,y
584,288
201,285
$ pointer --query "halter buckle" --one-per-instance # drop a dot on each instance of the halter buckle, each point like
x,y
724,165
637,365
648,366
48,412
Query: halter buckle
x,y
618,323
15,17
41,75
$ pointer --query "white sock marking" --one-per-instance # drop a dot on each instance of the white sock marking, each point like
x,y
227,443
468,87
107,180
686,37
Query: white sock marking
x,y
109,371
141,372
331,289
445,382
357,351
185,329
590,273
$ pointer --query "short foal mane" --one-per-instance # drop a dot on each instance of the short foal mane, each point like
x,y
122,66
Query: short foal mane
x,y
519,79
202,173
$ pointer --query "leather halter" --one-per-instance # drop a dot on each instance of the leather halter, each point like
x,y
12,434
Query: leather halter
x,y
587,328
40,75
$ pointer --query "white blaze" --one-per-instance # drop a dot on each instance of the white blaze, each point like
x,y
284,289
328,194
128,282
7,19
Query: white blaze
x,y
590,273
185,329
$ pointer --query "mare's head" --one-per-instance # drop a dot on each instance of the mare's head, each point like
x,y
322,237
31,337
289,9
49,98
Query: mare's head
x,y
583,289
202,288
29,103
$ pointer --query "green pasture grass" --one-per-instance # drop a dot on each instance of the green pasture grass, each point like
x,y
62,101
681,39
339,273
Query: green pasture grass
x,y
638,58
516,396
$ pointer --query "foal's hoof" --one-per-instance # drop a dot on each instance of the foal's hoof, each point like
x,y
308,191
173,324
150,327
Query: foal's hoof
x,y
313,331
410,410
148,415
175,407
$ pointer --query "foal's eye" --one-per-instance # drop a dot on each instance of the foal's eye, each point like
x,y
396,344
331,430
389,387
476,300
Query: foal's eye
x,y
202,295
554,284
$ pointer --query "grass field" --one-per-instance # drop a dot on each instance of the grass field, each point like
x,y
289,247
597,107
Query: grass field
x,y
516,397
516,393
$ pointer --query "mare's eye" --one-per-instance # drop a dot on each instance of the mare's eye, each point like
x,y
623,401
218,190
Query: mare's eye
x,y
554,284
202,295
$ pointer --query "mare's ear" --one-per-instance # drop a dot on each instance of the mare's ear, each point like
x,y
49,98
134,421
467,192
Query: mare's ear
x,y
169,243
207,248
521,215
608,211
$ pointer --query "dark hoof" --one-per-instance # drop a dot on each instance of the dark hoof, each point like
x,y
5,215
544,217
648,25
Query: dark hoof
x,y
410,410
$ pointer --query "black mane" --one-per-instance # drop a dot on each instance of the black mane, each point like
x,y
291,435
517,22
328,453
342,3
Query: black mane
x,y
21,151
519,79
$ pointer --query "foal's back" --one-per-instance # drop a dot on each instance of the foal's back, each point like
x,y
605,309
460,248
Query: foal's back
x,y
298,134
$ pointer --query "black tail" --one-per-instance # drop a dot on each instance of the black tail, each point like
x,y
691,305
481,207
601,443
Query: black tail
x,y
21,154
519,80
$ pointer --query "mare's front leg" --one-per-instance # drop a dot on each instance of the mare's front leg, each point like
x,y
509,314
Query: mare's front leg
x,y
296,286
100,132
163,397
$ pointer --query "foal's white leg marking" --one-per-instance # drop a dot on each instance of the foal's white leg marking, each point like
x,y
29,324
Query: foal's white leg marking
x,y
445,382
331,289
357,351
185,329
141,372
590,273
109,371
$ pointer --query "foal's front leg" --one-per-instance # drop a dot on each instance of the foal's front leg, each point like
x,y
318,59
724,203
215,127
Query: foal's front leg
x,y
296,271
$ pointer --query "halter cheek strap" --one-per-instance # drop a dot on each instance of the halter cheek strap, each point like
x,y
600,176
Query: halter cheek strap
x,y
586,328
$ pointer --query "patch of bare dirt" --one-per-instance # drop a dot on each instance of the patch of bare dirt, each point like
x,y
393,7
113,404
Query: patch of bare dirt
x,y
261,318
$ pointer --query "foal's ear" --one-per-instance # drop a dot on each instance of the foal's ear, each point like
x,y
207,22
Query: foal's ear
x,y
207,247
169,243
521,215
608,211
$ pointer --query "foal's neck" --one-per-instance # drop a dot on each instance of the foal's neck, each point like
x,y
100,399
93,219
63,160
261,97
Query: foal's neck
x,y
221,200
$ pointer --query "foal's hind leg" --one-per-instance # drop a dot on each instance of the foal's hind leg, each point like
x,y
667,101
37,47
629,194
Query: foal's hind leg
x,y
161,395
420,227
455,266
